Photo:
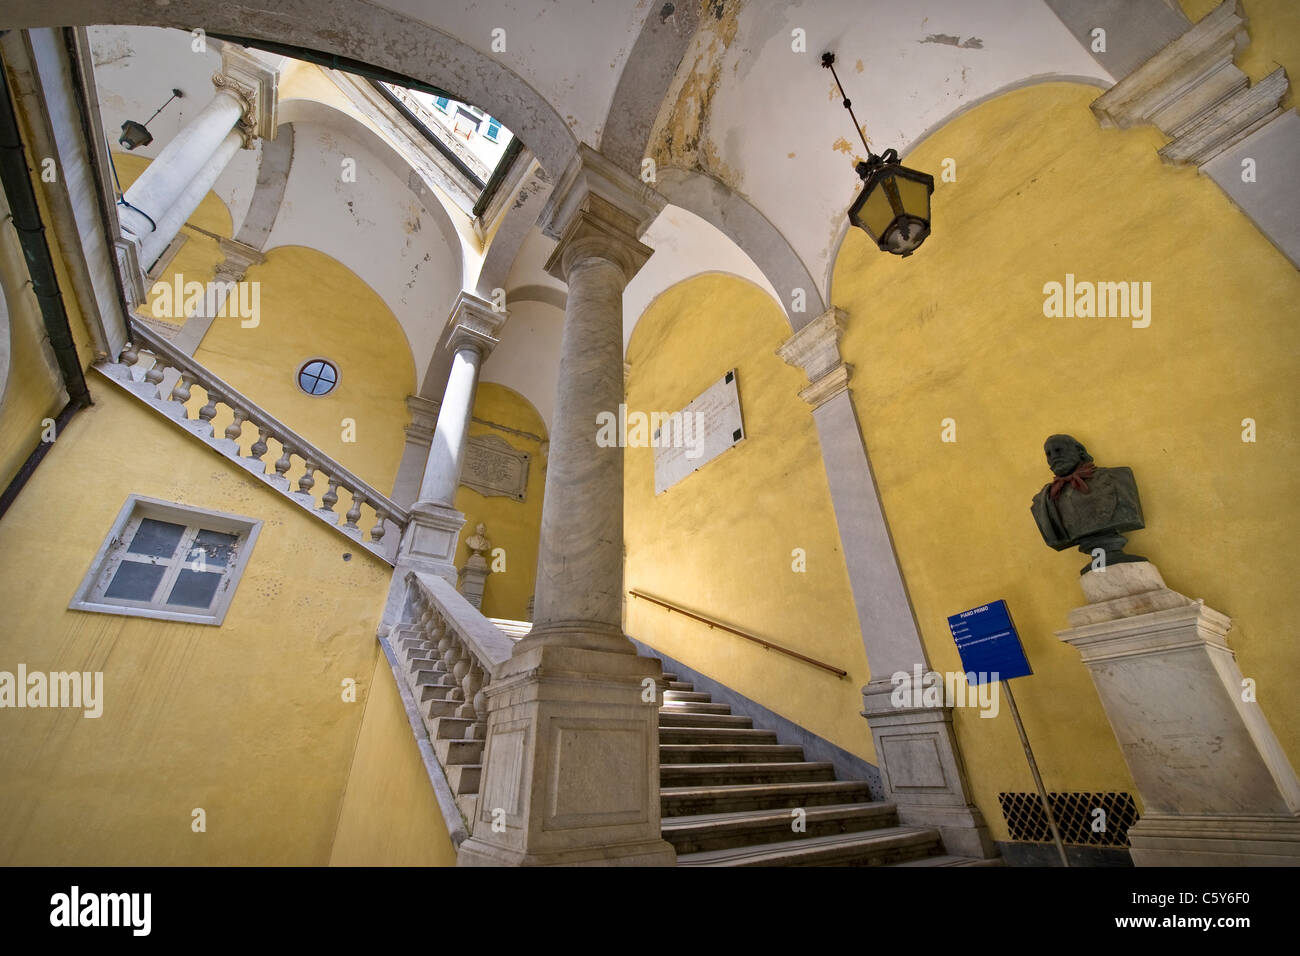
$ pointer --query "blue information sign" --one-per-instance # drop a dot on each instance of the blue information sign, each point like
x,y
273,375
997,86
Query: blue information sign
x,y
988,643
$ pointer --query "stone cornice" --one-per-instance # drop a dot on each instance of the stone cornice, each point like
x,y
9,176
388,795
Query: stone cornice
x,y
1193,92
474,324
424,418
238,257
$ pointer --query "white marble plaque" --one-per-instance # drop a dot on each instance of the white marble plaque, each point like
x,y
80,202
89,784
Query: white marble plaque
x,y
708,426
494,467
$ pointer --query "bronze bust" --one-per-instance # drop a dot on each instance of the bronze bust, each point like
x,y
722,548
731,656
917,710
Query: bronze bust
x,y
1085,506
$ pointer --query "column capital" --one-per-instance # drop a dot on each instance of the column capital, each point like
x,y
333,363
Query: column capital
x,y
424,417
238,257
598,210
815,348
474,324
253,83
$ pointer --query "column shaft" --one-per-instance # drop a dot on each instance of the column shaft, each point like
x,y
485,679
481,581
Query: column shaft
x,y
447,451
161,185
580,561
153,244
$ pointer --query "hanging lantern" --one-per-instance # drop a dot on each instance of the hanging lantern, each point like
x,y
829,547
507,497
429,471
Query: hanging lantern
x,y
894,205
134,135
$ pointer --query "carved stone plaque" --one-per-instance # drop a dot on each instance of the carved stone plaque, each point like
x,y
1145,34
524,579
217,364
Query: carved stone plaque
x,y
494,467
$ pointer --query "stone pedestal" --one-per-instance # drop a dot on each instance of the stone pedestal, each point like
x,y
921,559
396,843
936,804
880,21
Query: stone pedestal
x,y
1216,787
571,764
922,772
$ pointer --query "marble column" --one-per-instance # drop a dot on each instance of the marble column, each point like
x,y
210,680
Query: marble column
x,y
916,748
171,188
571,766
429,543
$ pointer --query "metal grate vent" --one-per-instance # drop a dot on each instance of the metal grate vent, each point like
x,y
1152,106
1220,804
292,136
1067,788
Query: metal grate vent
x,y
1075,814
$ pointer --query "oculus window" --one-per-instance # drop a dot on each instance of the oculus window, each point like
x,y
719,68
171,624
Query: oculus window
x,y
168,561
318,376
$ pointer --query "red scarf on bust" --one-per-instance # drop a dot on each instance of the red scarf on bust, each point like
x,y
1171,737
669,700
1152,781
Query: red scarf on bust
x,y
1074,478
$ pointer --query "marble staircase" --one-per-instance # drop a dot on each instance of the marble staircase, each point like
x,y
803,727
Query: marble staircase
x,y
731,795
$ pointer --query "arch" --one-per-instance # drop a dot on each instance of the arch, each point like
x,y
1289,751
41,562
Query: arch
x,y
738,219
358,30
934,128
627,347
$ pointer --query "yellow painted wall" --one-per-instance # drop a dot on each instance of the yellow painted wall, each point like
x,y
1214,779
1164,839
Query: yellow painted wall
x,y
512,525
314,306
958,331
390,816
246,720
197,259
720,542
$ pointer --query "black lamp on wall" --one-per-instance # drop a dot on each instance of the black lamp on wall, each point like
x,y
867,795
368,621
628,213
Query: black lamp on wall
x,y
894,205
135,135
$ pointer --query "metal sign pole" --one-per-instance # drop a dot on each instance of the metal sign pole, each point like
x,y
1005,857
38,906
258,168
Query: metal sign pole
x,y
1033,768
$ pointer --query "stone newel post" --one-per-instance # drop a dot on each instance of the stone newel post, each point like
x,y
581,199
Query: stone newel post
x,y
572,760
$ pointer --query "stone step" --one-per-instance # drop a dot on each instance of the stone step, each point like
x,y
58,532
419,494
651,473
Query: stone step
x,y
715,735
670,677
946,860
451,728
667,719
721,831
451,752
464,778
728,753
742,774
691,695
680,685
680,801
693,707
435,708
878,847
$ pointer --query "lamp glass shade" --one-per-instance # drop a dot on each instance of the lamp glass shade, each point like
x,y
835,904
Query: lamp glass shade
x,y
134,135
894,207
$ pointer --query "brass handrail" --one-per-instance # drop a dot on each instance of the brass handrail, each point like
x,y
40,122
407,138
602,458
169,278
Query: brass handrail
x,y
712,622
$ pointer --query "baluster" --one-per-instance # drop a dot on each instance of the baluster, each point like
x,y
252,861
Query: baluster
x,y
236,428
454,659
154,375
130,355
354,513
209,411
285,462
308,478
259,446
377,532
181,393
331,497
470,684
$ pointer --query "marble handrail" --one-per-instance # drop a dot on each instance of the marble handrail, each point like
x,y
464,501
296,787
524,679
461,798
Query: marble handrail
x,y
144,341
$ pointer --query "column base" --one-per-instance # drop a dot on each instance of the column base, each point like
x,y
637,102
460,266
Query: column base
x,y
1160,839
571,767
921,770
1216,786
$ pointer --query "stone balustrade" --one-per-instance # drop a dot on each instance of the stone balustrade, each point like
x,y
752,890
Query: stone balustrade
x,y
274,452
449,653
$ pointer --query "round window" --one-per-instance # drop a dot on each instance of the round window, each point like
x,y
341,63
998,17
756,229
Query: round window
x,y
317,377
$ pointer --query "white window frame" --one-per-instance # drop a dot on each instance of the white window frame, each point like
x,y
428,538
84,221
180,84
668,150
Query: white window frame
x,y
90,594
